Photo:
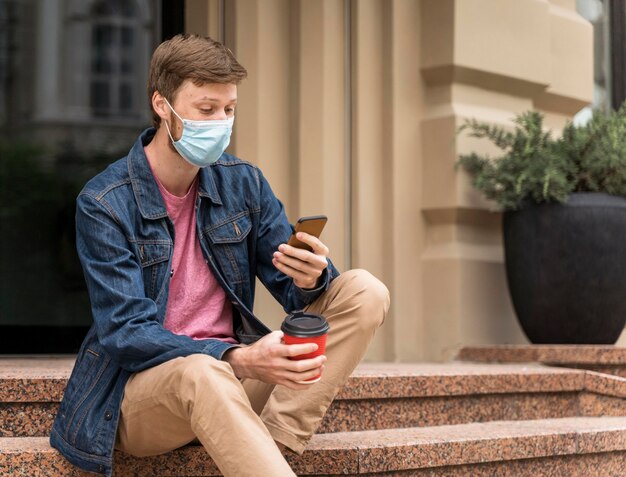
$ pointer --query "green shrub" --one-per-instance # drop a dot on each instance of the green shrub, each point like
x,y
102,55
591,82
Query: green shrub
x,y
536,167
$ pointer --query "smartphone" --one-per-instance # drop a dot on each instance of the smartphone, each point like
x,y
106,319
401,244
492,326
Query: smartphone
x,y
311,225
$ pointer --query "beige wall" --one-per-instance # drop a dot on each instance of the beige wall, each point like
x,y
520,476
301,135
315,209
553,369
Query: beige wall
x,y
350,110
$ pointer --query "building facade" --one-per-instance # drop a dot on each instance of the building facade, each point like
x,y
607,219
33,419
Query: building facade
x,y
350,109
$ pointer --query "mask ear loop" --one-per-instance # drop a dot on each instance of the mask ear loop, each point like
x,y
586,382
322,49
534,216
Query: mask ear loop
x,y
168,103
167,125
169,133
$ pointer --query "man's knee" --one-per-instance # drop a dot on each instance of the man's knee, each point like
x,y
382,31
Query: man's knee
x,y
199,373
371,295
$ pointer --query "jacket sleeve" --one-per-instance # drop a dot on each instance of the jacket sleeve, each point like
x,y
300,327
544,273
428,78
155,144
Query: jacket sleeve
x,y
125,318
274,229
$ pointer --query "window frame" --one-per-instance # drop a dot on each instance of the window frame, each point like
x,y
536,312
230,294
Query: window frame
x,y
617,16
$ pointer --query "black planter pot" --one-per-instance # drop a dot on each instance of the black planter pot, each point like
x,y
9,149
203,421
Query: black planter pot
x,y
566,269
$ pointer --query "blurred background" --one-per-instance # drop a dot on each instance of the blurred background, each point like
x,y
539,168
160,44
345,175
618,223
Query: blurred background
x,y
350,109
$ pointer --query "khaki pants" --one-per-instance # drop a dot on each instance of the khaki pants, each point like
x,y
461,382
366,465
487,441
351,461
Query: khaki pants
x,y
239,422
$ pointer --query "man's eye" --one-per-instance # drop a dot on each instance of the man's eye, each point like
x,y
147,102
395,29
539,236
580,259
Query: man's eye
x,y
206,111
230,110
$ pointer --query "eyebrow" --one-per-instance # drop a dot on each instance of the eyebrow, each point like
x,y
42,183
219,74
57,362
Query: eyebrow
x,y
217,100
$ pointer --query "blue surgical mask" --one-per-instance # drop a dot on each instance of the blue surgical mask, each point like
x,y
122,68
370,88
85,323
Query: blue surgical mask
x,y
202,142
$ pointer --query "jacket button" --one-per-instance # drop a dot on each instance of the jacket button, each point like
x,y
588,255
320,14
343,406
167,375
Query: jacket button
x,y
108,416
101,468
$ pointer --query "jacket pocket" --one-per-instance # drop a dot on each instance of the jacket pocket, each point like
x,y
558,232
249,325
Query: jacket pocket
x,y
84,385
232,230
80,378
230,247
154,259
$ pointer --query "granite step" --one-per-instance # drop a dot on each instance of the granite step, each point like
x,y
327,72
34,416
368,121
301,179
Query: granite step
x,y
579,446
607,359
377,396
380,396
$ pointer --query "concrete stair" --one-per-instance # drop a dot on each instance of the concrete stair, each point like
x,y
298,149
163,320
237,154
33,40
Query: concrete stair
x,y
458,418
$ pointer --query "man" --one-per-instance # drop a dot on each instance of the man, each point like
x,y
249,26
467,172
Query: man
x,y
171,238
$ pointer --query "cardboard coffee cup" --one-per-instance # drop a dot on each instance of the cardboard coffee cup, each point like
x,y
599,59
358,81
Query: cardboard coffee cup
x,y
304,327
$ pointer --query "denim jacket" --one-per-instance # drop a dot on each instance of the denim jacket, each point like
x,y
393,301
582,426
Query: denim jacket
x,y
125,242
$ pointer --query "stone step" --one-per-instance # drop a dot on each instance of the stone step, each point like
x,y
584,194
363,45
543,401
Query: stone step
x,y
580,446
382,396
607,359
377,396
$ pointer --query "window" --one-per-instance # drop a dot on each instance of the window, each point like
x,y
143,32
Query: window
x,y
608,18
72,100
114,34
104,51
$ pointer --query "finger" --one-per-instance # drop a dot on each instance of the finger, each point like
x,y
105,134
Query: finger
x,y
307,371
314,267
315,243
303,365
291,350
293,273
304,255
299,253
304,376
275,337
276,334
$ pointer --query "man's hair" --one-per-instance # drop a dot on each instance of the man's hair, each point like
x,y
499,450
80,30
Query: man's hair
x,y
199,59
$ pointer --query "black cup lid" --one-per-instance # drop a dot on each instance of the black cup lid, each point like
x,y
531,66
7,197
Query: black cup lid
x,y
305,325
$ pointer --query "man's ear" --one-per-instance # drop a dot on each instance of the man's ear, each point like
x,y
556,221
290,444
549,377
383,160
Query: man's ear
x,y
160,106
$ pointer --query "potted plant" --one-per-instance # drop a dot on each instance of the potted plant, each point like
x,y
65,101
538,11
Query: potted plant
x,y
564,223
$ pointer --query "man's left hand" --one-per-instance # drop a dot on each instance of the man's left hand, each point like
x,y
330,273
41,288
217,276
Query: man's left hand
x,y
303,266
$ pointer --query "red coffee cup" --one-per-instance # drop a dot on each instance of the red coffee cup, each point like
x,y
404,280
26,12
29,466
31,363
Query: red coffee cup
x,y
304,327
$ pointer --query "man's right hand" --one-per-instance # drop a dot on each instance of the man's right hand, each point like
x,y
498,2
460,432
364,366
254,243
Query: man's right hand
x,y
268,360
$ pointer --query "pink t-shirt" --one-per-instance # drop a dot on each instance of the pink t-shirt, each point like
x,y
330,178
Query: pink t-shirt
x,y
197,305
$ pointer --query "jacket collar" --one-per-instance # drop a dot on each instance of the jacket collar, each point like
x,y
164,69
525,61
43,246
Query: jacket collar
x,y
145,188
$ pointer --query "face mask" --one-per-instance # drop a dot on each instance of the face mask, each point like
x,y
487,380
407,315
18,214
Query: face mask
x,y
202,142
